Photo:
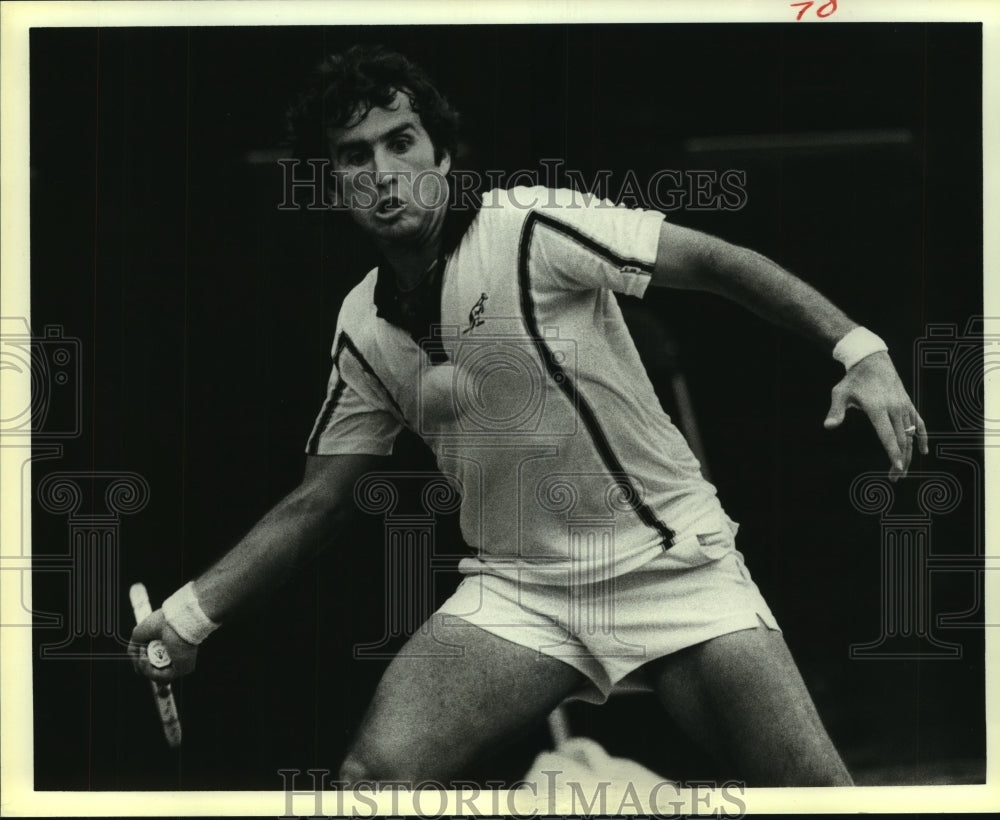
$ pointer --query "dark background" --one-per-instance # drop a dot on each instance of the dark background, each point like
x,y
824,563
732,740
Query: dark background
x,y
205,316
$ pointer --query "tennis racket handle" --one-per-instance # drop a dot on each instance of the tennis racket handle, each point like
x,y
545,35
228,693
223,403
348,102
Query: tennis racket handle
x,y
167,707
140,602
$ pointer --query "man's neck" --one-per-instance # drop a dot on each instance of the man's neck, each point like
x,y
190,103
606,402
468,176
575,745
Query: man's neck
x,y
411,260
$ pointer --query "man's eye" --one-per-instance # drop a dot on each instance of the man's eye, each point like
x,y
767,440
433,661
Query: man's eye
x,y
356,158
400,144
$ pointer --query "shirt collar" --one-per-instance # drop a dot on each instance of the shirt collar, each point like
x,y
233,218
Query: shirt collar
x,y
428,292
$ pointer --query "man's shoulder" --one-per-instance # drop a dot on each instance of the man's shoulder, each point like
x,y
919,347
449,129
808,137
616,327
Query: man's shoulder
x,y
357,311
363,292
506,210
525,199
511,208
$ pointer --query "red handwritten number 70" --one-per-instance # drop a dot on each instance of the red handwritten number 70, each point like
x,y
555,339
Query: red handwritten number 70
x,y
825,10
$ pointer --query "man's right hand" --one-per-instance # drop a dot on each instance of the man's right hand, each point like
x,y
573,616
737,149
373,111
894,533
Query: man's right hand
x,y
183,655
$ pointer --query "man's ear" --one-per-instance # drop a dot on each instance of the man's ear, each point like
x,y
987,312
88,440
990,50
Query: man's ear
x,y
445,165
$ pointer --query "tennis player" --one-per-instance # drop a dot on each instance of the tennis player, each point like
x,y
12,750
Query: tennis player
x,y
490,328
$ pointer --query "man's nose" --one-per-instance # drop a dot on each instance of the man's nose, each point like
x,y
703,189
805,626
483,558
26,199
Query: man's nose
x,y
387,165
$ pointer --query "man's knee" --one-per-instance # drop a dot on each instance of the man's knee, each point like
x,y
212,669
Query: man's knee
x,y
384,763
353,771
367,768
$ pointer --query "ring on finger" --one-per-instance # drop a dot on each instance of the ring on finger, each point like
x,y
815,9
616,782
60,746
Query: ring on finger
x,y
911,430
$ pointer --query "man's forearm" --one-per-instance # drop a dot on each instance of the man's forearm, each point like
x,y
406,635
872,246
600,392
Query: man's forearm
x,y
285,538
762,286
694,260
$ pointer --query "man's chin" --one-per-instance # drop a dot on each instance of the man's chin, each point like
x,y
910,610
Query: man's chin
x,y
400,229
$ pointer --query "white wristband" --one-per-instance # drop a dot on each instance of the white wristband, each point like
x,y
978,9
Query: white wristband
x,y
856,345
186,617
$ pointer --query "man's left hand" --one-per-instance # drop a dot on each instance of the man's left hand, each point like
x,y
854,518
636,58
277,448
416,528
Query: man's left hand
x,y
874,386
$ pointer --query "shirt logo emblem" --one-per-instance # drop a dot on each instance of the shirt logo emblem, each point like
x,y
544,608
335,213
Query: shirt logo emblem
x,y
476,314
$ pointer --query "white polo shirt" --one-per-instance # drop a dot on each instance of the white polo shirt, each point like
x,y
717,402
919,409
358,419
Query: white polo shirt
x,y
539,408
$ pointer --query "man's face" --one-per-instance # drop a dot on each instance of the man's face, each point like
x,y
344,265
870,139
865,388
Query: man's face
x,y
387,175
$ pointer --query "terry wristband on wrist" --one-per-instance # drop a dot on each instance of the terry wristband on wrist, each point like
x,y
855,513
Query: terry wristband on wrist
x,y
186,617
856,345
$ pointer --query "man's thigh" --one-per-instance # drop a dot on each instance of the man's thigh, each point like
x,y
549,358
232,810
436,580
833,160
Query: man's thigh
x,y
454,692
742,696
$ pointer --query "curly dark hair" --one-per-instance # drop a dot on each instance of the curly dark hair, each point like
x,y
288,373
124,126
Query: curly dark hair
x,y
346,86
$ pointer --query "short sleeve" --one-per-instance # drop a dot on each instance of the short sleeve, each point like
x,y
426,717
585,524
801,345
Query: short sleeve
x,y
352,420
579,242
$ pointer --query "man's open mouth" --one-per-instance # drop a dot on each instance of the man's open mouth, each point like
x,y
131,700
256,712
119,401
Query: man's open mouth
x,y
389,206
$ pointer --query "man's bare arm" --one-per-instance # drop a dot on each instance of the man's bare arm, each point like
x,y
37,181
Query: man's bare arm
x,y
286,538
692,260
697,261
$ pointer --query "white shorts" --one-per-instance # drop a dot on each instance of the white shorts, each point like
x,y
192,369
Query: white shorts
x,y
696,591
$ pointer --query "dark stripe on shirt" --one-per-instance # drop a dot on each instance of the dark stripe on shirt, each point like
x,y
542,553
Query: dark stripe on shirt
x,y
371,372
345,341
312,446
592,244
561,377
